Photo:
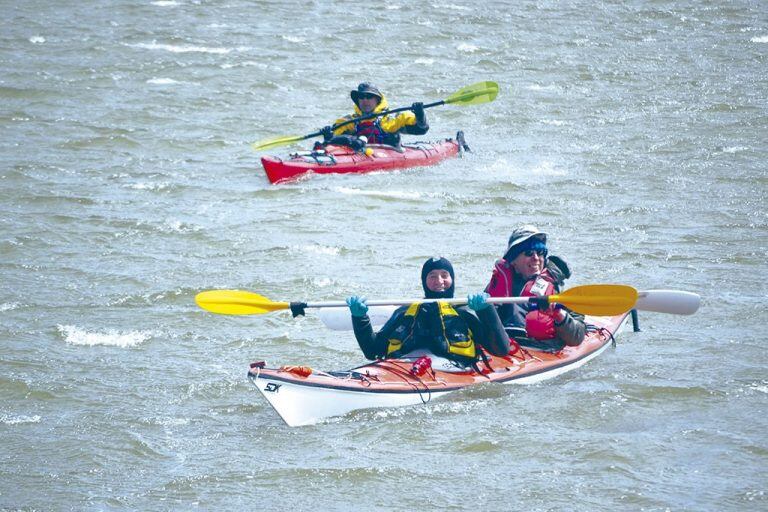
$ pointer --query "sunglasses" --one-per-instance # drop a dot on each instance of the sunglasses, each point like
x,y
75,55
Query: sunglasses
x,y
366,96
537,252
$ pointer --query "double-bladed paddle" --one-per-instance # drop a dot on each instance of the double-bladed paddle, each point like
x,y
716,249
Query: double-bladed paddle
x,y
594,299
475,94
662,301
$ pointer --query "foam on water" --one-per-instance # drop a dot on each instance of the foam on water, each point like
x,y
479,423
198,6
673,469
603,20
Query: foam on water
x,y
539,87
155,187
317,249
451,7
162,81
396,194
735,149
323,282
245,64
8,306
180,48
76,336
760,39
13,419
467,48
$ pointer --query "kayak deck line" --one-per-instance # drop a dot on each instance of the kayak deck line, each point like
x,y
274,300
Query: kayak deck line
x,y
302,398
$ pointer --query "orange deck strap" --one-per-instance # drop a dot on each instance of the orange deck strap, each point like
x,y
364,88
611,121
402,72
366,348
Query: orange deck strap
x,y
302,371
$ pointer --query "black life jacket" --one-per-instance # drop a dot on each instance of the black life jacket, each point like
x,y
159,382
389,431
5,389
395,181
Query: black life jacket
x,y
436,326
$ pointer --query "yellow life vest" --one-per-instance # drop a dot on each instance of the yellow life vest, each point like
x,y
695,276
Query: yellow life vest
x,y
455,336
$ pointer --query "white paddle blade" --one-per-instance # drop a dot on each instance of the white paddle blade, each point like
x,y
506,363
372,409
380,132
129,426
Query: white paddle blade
x,y
668,301
339,319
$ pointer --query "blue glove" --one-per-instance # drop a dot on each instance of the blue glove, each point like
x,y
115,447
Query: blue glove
x,y
478,301
418,110
357,306
327,133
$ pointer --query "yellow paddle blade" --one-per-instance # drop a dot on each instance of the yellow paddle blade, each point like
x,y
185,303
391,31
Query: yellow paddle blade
x,y
237,302
277,141
481,92
598,299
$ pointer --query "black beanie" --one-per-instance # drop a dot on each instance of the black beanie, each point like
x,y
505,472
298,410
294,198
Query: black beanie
x,y
437,263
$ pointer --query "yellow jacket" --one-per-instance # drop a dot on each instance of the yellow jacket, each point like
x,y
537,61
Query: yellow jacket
x,y
390,125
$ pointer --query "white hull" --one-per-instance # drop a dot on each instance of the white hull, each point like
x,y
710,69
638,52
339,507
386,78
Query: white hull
x,y
308,400
305,405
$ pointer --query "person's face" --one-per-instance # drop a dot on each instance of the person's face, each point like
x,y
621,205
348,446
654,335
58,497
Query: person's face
x,y
529,263
439,280
367,102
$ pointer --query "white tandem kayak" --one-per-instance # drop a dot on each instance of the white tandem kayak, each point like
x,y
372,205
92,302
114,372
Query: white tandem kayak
x,y
302,396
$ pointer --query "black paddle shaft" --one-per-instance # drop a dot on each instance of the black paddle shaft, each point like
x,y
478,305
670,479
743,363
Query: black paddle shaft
x,y
377,114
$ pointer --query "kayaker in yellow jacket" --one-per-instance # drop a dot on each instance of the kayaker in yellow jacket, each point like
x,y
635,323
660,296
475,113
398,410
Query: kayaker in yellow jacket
x,y
456,333
384,129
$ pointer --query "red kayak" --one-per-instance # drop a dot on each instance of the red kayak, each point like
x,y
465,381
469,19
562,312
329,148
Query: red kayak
x,y
375,157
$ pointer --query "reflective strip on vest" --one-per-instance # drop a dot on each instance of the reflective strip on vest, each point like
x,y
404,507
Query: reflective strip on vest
x,y
460,347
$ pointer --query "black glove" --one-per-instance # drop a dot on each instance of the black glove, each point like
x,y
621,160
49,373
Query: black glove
x,y
418,110
357,144
327,133
297,308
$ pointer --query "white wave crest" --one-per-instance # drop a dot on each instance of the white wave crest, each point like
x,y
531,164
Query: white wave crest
x,y
177,226
165,3
451,7
162,81
425,61
760,39
468,48
379,193
76,336
37,39
166,421
318,249
181,48
9,306
537,87
245,64
10,419
148,186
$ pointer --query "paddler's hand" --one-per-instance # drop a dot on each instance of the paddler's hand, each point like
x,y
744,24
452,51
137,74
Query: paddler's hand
x,y
418,110
478,301
327,133
358,143
357,306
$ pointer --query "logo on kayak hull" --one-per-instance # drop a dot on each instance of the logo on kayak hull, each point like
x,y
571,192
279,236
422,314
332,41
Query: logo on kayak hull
x,y
272,387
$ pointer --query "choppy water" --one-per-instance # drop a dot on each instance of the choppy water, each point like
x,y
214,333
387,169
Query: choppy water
x,y
633,132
